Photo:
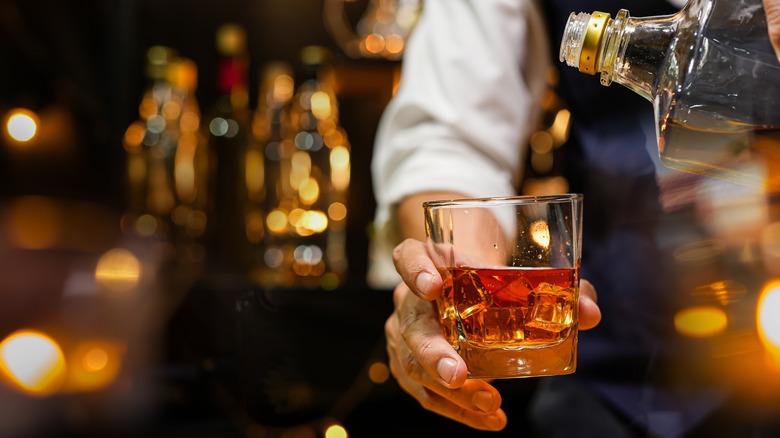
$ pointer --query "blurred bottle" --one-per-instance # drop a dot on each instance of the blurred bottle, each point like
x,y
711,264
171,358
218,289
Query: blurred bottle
x,y
711,74
268,172
385,27
166,162
228,136
309,170
190,166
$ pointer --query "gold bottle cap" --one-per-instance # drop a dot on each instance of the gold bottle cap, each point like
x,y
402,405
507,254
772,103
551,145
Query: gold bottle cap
x,y
591,44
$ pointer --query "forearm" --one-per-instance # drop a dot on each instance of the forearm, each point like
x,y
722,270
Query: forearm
x,y
772,8
409,213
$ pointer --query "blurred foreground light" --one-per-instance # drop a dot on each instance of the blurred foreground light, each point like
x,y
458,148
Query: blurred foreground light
x,y
378,372
33,362
768,322
118,270
94,365
22,125
770,247
35,222
700,322
336,431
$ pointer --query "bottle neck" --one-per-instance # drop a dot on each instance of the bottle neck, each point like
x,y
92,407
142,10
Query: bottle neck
x,y
232,82
628,50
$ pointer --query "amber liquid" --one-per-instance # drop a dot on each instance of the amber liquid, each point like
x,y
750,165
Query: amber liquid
x,y
511,307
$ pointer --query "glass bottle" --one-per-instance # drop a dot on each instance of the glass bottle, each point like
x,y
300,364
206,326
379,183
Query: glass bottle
x,y
712,77
273,147
190,170
228,130
310,170
167,162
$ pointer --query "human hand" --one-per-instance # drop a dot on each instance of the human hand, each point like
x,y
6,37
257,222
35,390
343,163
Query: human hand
x,y
422,360
772,8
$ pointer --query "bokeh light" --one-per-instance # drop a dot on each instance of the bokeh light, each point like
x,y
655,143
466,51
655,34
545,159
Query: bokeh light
x,y
33,361
701,321
94,365
118,270
22,125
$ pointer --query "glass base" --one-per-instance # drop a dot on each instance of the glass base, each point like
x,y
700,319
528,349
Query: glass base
x,y
504,363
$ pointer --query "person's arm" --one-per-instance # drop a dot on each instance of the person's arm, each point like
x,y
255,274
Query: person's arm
x,y
469,89
772,8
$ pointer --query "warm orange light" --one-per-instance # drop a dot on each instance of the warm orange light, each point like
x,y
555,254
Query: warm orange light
x,y
94,365
540,233
340,168
134,136
395,44
300,168
309,191
35,222
321,105
336,431
22,125
276,221
33,362
560,127
284,86
337,211
768,309
254,171
700,321
378,372
374,44
118,270
311,222
768,324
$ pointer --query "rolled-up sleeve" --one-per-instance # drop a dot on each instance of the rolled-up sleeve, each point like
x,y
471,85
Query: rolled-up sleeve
x,y
473,72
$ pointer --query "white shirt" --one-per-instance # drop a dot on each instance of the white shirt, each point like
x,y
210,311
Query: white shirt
x,y
440,132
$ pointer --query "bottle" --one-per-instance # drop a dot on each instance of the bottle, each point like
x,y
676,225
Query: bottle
x,y
141,138
190,167
228,131
270,189
310,170
166,162
711,74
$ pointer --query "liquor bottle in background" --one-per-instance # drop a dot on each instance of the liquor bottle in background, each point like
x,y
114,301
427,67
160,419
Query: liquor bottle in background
x,y
190,166
711,74
228,130
268,173
309,171
166,160
138,140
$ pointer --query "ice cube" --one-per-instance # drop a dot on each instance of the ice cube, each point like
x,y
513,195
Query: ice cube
x,y
551,308
470,295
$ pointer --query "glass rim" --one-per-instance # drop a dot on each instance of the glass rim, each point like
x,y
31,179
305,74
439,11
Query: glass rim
x,y
504,200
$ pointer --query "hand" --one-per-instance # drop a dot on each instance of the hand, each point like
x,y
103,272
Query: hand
x,y
772,8
422,360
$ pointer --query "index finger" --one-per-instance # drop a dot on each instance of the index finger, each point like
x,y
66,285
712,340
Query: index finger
x,y
417,270
421,332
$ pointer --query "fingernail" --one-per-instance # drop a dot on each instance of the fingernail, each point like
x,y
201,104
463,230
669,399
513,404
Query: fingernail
x,y
446,369
494,422
483,400
423,281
